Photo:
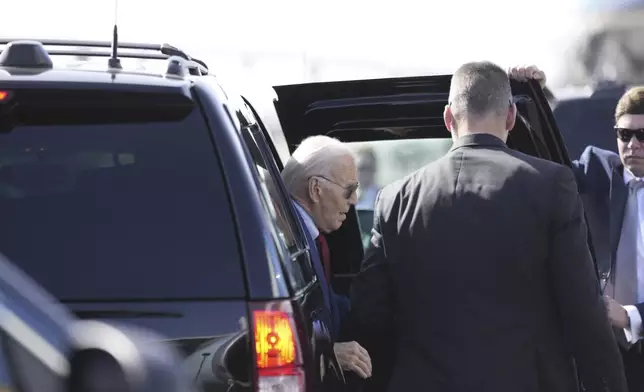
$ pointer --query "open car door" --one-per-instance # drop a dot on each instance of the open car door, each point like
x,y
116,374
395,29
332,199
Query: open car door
x,y
397,109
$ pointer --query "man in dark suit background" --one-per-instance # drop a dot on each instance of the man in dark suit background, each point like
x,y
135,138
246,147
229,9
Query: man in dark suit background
x,y
479,269
611,188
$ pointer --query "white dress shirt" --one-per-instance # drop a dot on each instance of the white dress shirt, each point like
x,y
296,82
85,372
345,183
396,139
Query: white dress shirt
x,y
634,333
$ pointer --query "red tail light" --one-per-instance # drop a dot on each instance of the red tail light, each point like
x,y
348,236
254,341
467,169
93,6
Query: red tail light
x,y
274,339
4,95
278,355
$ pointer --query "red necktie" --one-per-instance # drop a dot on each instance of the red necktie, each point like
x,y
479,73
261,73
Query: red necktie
x,y
325,255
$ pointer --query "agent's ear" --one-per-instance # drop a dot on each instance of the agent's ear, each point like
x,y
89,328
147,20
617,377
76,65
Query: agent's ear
x,y
315,189
512,117
448,118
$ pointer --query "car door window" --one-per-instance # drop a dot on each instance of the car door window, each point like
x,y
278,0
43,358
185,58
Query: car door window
x,y
279,209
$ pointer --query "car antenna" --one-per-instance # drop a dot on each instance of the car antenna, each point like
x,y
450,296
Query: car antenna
x,y
203,359
114,61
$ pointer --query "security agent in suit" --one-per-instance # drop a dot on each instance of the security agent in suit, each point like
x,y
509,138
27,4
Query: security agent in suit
x,y
479,269
611,187
321,177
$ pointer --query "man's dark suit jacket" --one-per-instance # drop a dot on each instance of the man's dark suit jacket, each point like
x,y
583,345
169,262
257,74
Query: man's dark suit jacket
x,y
337,305
480,275
600,176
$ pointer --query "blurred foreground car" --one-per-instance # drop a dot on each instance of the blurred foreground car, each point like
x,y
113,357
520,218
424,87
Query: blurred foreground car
x,y
44,348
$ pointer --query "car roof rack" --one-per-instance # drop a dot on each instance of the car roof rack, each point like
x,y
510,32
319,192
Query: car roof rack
x,y
164,51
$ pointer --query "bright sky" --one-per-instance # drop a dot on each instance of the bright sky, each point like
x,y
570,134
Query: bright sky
x,y
432,35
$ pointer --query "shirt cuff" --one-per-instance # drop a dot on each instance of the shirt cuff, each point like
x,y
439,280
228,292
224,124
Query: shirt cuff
x,y
633,333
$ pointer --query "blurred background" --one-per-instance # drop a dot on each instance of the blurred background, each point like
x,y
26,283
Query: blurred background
x,y
256,44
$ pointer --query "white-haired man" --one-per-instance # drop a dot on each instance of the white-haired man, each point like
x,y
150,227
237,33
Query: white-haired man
x,y
321,177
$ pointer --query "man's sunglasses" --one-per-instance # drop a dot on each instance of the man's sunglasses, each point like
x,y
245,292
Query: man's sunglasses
x,y
348,189
625,134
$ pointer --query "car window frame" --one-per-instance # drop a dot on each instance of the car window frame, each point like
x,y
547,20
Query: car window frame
x,y
298,228
272,155
301,252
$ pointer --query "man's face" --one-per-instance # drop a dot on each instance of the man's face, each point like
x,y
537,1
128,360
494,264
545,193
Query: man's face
x,y
631,150
333,195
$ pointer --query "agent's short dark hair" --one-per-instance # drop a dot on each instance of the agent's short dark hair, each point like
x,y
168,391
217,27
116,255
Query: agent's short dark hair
x,y
632,102
479,89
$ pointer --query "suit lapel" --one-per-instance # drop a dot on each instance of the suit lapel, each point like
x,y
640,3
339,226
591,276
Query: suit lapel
x,y
618,195
319,270
316,262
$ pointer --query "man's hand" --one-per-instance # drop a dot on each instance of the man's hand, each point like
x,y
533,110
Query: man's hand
x,y
616,313
353,357
524,73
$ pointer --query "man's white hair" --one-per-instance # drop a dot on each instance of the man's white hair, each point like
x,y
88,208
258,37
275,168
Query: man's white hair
x,y
315,156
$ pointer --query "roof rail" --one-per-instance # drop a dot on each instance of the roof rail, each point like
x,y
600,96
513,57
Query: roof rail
x,y
164,51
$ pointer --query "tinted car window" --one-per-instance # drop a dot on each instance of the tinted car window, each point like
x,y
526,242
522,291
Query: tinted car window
x,y
130,208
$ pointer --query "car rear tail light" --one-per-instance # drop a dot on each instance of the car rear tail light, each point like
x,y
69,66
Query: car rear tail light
x,y
4,95
278,355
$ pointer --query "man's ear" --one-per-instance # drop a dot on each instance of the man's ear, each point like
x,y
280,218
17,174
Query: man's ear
x,y
448,118
512,118
314,189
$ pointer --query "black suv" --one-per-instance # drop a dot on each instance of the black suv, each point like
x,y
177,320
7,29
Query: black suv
x,y
142,197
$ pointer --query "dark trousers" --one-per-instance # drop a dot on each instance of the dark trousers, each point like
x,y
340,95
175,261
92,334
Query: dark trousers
x,y
634,367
